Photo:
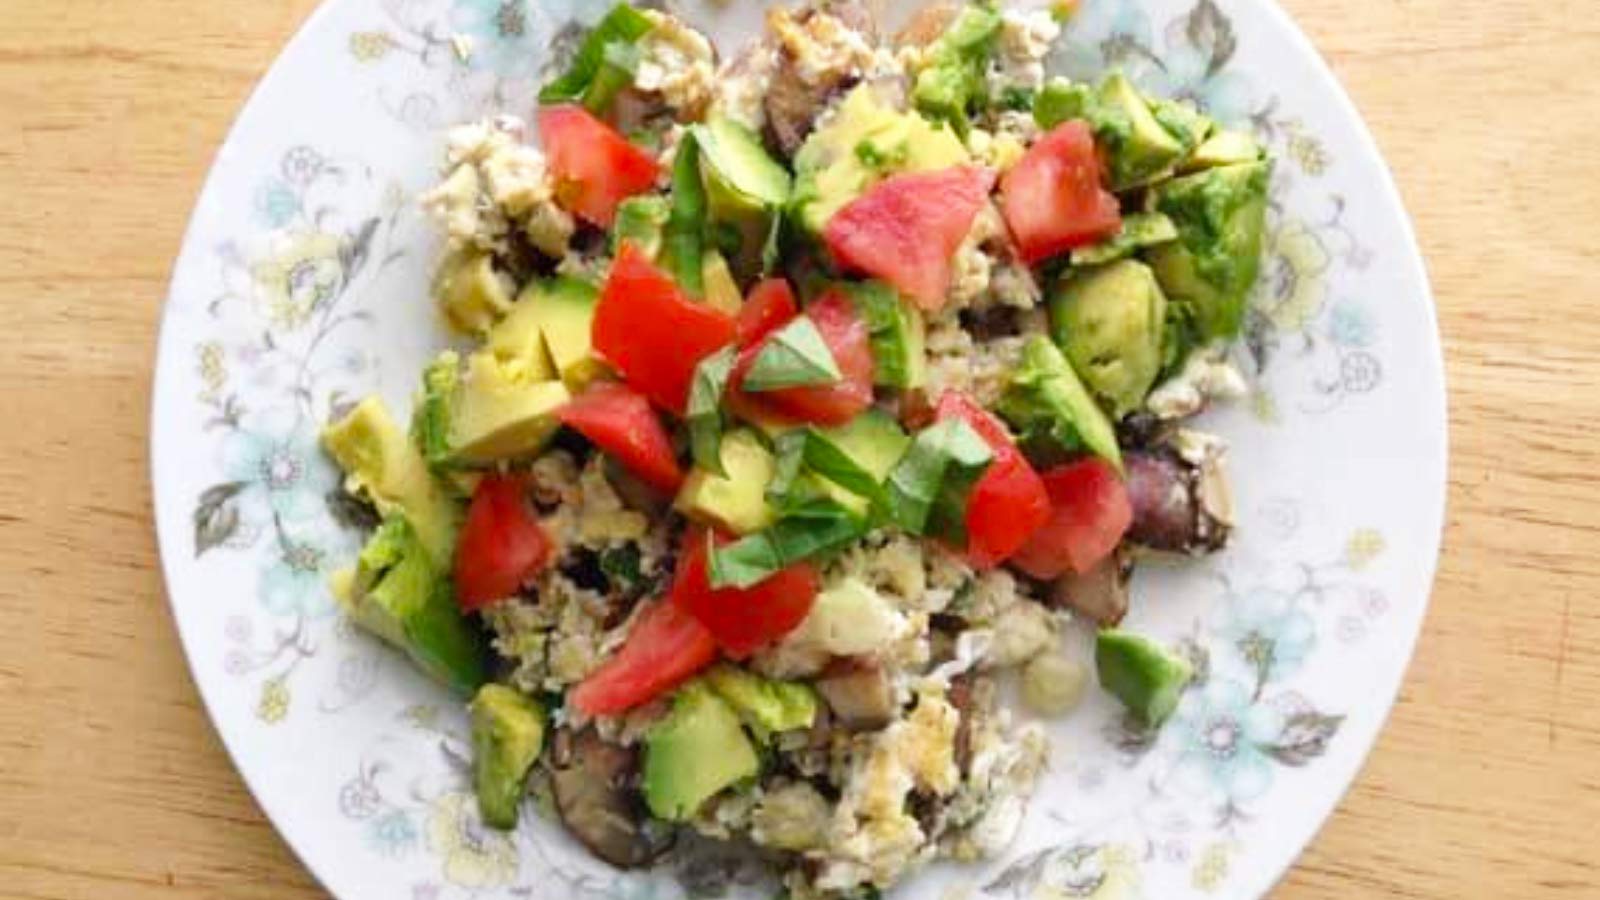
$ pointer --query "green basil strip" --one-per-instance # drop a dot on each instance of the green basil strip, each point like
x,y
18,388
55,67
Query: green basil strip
x,y
623,25
683,238
794,356
787,485
928,488
817,528
704,414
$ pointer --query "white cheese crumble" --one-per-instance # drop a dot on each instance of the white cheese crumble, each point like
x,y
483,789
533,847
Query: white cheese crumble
x,y
1025,40
494,183
1206,375
740,90
677,63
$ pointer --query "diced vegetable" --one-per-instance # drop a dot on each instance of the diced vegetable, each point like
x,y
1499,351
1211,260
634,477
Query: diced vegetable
x,y
1008,504
1089,514
595,167
845,335
704,416
653,335
665,648
507,735
928,489
502,544
1052,198
794,355
742,619
621,423
770,304
1053,411
593,77
683,236
806,530
1148,678
906,228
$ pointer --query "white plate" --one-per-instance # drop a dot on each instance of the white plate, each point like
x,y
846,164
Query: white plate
x,y
303,280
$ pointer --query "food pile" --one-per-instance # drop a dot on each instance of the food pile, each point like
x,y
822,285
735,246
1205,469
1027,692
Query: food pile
x,y
813,390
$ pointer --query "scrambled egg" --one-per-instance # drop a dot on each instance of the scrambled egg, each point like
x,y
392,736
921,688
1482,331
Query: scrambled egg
x,y
676,62
497,183
824,49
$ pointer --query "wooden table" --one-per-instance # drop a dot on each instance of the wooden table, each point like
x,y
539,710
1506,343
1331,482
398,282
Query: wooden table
x,y
1486,782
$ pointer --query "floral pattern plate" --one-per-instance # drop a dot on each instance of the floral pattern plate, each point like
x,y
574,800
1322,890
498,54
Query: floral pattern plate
x,y
303,284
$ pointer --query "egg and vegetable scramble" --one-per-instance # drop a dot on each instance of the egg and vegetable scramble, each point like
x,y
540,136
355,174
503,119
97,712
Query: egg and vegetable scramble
x,y
815,390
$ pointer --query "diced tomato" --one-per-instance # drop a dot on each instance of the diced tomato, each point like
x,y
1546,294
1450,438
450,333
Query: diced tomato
x,y
1009,503
665,648
501,546
595,167
742,620
769,306
906,228
1089,514
1053,198
651,333
622,424
832,404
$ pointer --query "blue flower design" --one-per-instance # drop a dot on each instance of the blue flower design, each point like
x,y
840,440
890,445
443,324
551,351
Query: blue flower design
x,y
1104,34
294,574
393,833
1269,630
1350,325
1187,73
500,32
1223,739
276,458
276,204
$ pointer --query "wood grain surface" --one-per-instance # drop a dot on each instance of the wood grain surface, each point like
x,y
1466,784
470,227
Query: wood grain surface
x,y
1486,782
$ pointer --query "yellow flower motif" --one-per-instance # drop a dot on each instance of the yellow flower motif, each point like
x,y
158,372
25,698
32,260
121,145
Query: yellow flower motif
x,y
422,715
213,369
1309,153
475,857
1107,873
1297,264
370,46
1211,869
274,702
304,274
1364,546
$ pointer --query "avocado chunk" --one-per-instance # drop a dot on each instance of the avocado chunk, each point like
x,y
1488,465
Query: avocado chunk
x,y
736,500
401,594
1140,147
696,752
865,141
500,416
1110,322
1139,231
507,735
954,75
379,462
1211,268
560,313
471,292
1148,678
1052,410
860,454
766,705
641,221
896,332
1225,148
746,190
430,419
850,618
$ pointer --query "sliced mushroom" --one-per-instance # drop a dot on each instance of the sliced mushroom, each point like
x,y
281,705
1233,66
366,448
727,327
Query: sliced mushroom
x,y
593,783
794,101
1101,594
1181,502
960,698
858,692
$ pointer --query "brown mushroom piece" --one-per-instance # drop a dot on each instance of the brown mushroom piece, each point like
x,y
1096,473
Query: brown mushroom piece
x,y
793,101
594,787
1101,593
1181,502
858,693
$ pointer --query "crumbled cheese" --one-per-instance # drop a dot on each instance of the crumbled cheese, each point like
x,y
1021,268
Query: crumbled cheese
x,y
1206,375
741,87
824,49
1021,632
676,62
1025,39
495,183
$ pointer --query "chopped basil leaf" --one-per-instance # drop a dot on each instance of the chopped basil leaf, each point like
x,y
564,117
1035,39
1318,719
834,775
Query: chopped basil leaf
x,y
794,356
704,414
619,61
784,489
622,25
683,236
928,489
815,528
